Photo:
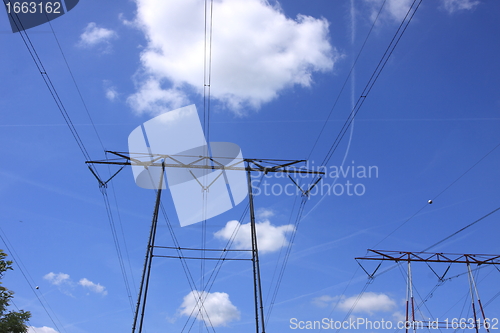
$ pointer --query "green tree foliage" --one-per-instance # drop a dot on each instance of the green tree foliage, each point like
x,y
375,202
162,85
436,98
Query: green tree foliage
x,y
10,322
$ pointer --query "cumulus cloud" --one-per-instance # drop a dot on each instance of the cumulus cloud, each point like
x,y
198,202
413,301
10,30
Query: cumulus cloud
x,y
57,279
152,98
455,5
256,53
324,301
97,288
216,310
111,92
369,302
269,237
44,329
263,213
66,284
93,35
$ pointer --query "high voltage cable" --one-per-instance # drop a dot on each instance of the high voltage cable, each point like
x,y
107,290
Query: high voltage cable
x,y
347,79
286,257
447,237
34,55
117,245
462,229
207,72
368,87
105,196
439,194
33,328
27,277
103,190
215,272
371,82
38,63
76,85
48,82
279,255
351,71
453,234
422,301
187,271
207,75
184,264
373,79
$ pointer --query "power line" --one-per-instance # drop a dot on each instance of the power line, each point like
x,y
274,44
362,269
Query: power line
x,y
76,85
368,87
462,229
373,79
103,189
48,82
446,238
38,62
346,80
438,195
28,278
207,66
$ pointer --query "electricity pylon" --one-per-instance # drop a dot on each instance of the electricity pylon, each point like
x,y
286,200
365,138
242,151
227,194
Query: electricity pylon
x,y
451,258
215,164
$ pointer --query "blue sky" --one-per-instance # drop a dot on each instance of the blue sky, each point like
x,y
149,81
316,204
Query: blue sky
x,y
277,69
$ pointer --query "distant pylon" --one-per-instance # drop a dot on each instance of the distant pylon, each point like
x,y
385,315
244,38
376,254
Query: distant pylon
x,y
468,259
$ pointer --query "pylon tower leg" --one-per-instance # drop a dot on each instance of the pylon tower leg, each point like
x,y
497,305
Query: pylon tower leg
x,y
146,272
259,306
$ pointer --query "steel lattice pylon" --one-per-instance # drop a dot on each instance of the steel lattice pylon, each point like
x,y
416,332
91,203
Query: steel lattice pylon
x,y
451,258
204,162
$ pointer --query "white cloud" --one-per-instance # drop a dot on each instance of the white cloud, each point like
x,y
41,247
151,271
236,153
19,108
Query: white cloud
x,y
111,92
152,98
66,284
394,10
369,302
93,35
217,305
97,288
57,279
269,237
44,329
256,53
454,5
324,301
263,213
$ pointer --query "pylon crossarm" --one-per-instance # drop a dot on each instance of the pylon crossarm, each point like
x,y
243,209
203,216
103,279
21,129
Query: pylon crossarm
x,y
123,155
147,160
479,259
200,158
